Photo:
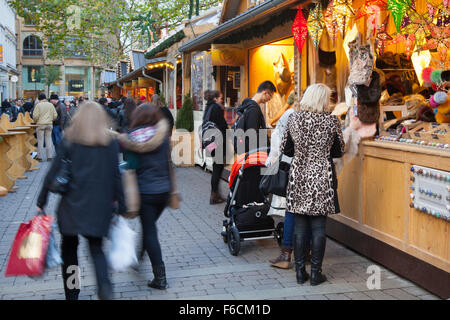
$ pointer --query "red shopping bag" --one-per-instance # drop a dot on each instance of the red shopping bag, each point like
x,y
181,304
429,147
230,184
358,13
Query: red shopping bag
x,y
29,248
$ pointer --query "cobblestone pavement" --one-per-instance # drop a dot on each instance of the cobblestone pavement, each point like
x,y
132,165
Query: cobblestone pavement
x,y
199,265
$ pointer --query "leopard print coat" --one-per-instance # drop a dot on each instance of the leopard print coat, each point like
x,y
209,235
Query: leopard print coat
x,y
309,137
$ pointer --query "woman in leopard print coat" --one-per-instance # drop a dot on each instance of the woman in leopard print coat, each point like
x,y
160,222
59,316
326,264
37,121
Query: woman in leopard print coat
x,y
312,137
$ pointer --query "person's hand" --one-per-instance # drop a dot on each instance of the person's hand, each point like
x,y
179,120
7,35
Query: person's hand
x,y
39,209
355,123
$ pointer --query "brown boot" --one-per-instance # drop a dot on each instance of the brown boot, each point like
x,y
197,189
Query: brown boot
x,y
283,261
215,198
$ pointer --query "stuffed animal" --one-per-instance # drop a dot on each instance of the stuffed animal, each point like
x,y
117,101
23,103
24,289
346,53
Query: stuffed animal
x,y
443,112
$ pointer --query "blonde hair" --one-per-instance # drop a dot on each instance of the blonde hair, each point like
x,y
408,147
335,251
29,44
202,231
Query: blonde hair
x,y
316,98
89,126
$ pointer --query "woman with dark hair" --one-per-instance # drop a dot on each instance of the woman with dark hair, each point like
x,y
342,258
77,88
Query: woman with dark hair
x,y
147,140
214,113
125,114
156,100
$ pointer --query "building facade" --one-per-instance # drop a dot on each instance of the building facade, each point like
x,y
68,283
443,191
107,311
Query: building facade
x,y
9,75
80,77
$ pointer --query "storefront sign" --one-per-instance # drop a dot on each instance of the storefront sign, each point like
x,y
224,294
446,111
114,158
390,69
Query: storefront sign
x,y
227,55
76,85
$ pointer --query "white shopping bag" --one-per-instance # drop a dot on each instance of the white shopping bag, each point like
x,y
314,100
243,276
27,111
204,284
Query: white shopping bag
x,y
122,253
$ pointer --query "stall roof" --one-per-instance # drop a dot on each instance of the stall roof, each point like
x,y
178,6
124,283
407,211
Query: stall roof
x,y
108,76
138,59
132,75
246,18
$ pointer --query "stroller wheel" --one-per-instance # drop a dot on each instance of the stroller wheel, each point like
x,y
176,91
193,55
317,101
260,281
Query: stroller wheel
x,y
279,230
234,240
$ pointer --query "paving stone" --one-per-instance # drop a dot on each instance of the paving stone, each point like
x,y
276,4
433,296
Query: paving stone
x,y
198,263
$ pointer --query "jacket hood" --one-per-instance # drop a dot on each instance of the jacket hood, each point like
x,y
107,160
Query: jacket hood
x,y
145,139
245,104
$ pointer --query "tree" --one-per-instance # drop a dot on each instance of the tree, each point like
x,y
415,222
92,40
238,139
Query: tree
x,y
185,117
103,30
51,75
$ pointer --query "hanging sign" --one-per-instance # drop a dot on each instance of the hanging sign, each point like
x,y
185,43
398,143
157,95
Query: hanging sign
x,y
227,55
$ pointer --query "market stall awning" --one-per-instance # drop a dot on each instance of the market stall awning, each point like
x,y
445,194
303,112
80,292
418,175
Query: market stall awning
x,y
138,73
165,44
260,11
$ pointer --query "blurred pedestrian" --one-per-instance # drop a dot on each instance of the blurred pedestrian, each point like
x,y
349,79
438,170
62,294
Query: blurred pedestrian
x,y
125,114
148,141
68,110
43,115
156,100
87,208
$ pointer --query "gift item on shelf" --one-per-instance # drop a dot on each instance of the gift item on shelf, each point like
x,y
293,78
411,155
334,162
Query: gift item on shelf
x,y
361,60
421,143
430,191
431,132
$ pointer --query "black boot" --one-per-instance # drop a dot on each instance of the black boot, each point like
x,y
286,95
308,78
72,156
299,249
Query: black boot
x,y
317,253
159,281
300,259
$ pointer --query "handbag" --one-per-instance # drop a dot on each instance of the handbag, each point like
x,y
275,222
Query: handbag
x,y
61,182
174,198
29,249
276,180
131,193
207,132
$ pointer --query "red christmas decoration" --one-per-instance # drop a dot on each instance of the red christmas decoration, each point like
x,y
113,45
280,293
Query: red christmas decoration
x,y
300,30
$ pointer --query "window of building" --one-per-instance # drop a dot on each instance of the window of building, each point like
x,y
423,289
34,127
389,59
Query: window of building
x,y
32,47
34,74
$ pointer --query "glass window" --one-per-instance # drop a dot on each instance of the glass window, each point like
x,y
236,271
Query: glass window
x,y
78,81
32,47
34,74
197,80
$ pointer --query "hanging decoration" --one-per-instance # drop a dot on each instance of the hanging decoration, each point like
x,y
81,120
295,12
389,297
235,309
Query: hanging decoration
x,y
369,8
343,12
382,38
416,24
440,40
315,24
330,22
373,22
398,9
300,29
146,25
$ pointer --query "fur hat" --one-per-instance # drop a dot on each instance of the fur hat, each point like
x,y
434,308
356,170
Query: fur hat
x,y
368,113
372,93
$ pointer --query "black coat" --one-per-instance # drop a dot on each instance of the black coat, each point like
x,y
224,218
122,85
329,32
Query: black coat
x,y
87,208
253,119
218,118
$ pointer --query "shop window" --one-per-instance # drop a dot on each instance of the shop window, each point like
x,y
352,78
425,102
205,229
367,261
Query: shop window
x,y
34,74
197,67
32,47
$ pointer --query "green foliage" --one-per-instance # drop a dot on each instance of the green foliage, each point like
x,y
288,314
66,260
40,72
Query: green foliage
x,y
185,116
51,75
102,31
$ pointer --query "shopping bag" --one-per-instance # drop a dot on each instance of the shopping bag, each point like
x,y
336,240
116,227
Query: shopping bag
x,y
29,249
53,258
122,253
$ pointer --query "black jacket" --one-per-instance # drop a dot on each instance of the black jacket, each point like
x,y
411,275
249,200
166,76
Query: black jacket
x,y
253,119
87,208
216,116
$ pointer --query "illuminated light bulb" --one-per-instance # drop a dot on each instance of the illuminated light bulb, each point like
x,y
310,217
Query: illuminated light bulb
x,y
420,61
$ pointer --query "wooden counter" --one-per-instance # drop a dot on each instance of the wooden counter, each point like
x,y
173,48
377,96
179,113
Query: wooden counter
x,y
377,221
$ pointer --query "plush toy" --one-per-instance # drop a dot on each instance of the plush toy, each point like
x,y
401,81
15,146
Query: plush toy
x,y
443,112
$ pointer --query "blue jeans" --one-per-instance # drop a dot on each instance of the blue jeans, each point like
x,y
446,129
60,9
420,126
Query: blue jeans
x,y
288,232
56,135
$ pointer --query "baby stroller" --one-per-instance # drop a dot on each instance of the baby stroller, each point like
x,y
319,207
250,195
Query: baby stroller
x,y
246,207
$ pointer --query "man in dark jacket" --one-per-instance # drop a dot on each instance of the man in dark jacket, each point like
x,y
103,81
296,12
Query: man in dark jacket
x,y
7,109
58,123
253,119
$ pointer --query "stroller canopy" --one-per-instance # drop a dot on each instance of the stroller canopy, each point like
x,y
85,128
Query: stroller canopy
x,y
255,159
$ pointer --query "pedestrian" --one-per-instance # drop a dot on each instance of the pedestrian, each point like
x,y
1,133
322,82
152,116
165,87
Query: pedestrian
x,y
28,106
156,100
113,121
87,208
214,112
253,119
149,143
43,115
311,137
58,123
7,109
284,259
68,110
125,114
